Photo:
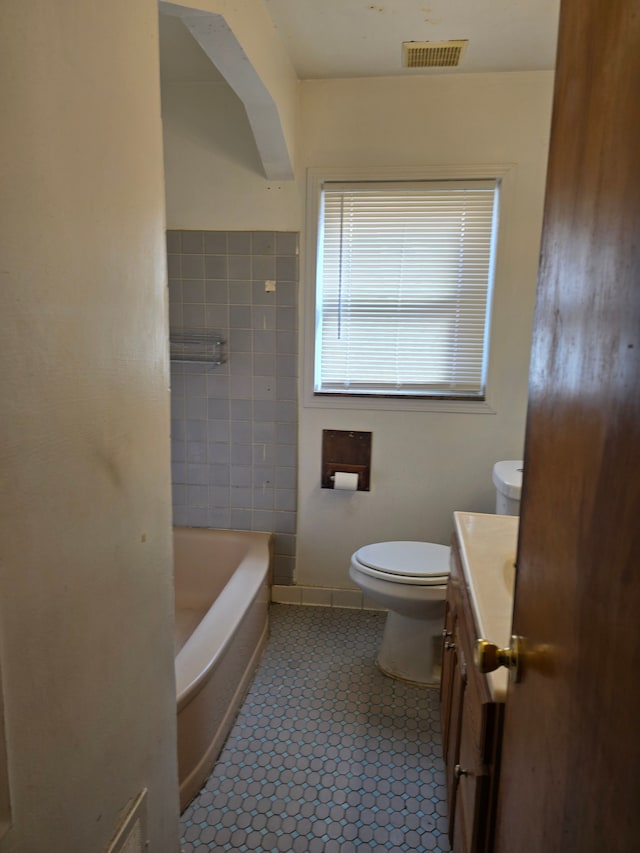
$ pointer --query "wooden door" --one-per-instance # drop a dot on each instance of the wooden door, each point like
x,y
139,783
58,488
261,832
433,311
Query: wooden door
x,y
570,777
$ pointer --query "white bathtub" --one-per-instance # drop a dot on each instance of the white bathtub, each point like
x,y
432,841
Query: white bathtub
x,y
222,590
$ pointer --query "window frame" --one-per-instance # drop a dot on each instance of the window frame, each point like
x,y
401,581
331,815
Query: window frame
x,y
316,178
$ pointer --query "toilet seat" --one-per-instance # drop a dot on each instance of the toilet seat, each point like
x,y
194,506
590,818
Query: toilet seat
x,y
419,563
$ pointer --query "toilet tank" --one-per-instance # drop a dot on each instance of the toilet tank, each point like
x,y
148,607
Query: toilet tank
x,y
507,478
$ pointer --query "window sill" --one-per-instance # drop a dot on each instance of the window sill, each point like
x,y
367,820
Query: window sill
x,y
397,404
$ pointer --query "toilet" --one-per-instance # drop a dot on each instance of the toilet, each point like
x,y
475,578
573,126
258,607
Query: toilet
x,y
410,580
507,478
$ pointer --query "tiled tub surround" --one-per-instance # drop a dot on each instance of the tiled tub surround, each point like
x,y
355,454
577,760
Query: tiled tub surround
x,y
327,755
234,426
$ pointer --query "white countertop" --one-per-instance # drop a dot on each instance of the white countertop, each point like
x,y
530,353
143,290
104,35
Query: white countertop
x,y
488,548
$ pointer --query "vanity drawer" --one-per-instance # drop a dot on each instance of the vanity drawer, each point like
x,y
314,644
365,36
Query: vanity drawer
x,y
471,723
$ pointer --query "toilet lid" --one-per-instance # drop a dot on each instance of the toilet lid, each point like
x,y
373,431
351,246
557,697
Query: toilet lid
x,y
408,559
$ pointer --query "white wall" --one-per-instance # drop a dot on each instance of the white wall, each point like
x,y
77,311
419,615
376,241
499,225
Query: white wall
x,y
425,464
214,177
251,55
87,605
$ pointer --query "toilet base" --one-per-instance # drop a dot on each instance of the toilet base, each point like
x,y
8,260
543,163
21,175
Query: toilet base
x,y
411,649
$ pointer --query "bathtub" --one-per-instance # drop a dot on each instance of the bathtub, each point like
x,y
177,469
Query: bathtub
x,y
222,590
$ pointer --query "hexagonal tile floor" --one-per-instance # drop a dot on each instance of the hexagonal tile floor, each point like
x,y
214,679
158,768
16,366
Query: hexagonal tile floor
x,y
327,755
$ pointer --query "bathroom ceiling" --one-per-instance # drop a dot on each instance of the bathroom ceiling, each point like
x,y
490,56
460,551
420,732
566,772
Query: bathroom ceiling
x,y
360,38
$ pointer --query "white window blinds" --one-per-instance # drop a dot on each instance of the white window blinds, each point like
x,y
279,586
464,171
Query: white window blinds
x,y
403,288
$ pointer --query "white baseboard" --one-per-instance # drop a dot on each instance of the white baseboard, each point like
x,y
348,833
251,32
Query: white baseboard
x,y
323,596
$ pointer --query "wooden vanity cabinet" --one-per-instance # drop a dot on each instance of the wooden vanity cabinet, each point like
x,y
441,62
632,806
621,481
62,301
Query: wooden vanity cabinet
x,y
471,725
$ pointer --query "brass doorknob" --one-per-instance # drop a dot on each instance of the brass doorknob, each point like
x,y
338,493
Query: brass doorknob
x,y
487,657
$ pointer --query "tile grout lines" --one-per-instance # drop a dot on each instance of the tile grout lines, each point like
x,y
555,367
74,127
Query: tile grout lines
x,y
327,755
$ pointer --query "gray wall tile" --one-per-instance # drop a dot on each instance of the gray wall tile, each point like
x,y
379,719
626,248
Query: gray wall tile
x,y
264,431
287,269
263,267
263,498
219,496
234,450
241,454
193,266
286,293
240,496
215,266
174,267
287,388
215,242
176,317
283,569
240,387
220,517
216,317
286,365
264,387
239,242
193,291
286,319
241,519
284,522
241,410
241,476
240,292
179,472
216,292
286,411
286,243
263,242
240,340
287,433
197,475
264,317
263,475
287,342
198,495
241,364
264,342
264,454
193,316
240,432
286,477
239,267
262,519
264,364
285,499
196,430
192,242
240,317
196,407
173,242
218,452
218,430
219,475
285,543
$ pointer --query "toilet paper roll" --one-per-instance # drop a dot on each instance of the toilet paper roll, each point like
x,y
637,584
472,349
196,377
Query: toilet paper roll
x,y
345,481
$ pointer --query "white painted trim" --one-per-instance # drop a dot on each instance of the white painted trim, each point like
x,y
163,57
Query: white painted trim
x,y
315,177
218,41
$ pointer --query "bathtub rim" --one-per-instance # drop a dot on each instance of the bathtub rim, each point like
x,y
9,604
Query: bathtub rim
x,y
194,662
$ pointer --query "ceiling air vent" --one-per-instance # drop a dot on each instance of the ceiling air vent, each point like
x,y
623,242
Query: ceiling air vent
x,y
432,54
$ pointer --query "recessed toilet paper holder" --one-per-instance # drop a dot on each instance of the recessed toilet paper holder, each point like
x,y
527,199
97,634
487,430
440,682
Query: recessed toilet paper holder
x,y
348,451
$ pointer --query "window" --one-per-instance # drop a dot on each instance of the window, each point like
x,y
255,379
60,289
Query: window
x,y
403,288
